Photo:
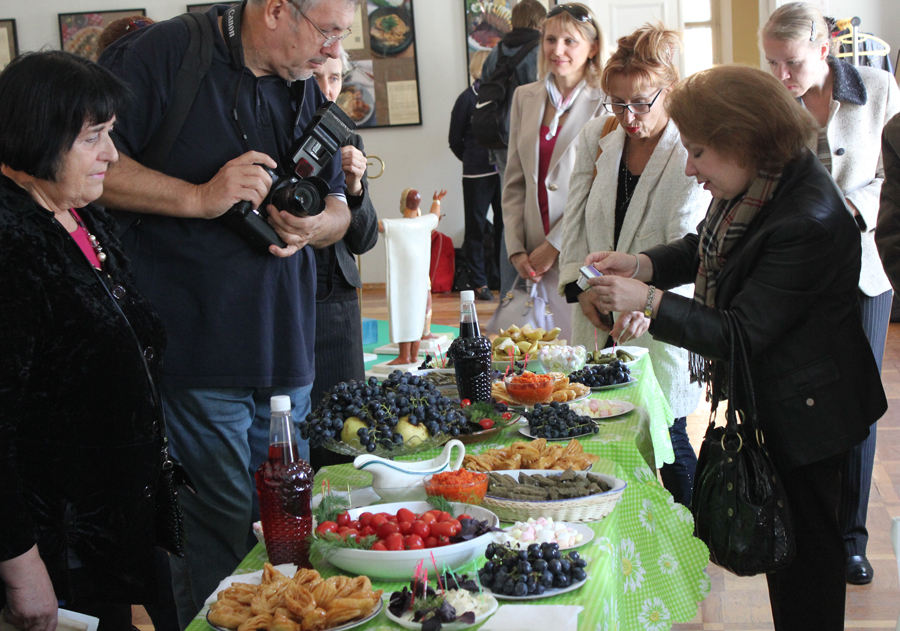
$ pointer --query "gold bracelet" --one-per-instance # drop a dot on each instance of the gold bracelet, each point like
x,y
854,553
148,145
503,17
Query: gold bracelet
x,y
648,310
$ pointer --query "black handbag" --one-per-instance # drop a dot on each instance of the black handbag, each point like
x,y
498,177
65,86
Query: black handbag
x,y
739,504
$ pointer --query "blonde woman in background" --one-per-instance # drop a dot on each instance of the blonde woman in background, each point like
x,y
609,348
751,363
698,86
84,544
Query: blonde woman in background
x,y
640,197
545,120
852,106
481,185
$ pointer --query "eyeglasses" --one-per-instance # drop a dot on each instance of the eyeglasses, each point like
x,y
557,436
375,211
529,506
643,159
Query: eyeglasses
x,y
330,40
577,12
634,108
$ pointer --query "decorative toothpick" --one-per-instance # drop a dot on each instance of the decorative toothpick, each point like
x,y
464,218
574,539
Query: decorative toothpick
x,y
434,563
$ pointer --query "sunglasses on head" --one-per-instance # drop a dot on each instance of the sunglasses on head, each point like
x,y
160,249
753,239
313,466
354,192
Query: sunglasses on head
x,y
577,12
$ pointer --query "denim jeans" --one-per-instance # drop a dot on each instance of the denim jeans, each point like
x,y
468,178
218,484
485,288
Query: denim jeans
x,y
678,477
221,437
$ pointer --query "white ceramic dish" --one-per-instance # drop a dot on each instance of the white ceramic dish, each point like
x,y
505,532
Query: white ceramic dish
x,y
617,486
343,627
547,594
406,620
400,565
526,431
586,533
628,407
614,386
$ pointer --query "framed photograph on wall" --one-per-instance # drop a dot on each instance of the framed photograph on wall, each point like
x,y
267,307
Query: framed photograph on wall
x,y
204,7
486,24
78,32
9,42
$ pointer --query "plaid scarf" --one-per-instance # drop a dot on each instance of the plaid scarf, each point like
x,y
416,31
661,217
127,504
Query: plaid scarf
x,y
726,224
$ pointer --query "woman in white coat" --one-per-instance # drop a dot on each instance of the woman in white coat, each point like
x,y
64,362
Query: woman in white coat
x,y
545,120
852,106
633,195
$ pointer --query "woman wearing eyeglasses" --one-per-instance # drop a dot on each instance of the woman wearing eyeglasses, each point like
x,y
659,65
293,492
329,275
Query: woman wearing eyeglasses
x,y
852,106
631,196
545,120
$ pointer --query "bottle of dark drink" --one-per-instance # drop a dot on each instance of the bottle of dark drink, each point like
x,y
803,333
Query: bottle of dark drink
x,y
284,485
471,354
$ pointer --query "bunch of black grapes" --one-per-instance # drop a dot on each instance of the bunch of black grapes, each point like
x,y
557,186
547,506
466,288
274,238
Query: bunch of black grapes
x,y
380,407
557,420
532,571
595,375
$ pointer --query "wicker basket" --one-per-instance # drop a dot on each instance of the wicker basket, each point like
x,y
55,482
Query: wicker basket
x,y
582,509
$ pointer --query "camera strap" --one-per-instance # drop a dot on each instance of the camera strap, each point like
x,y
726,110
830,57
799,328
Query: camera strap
x,y
231,23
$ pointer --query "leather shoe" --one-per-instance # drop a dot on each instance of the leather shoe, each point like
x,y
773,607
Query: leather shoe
x,y
859,570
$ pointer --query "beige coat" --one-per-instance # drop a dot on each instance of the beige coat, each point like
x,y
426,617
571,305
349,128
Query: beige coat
x,y
854,137
665,205
521,214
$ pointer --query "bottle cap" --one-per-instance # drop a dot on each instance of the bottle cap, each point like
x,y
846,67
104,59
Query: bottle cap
x,y
281,403
467,296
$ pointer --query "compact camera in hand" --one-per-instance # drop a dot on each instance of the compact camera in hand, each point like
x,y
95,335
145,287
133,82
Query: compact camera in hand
x,y
587,272
301,192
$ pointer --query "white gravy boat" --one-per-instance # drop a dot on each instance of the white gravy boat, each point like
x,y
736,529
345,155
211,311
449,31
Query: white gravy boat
x,y
397,481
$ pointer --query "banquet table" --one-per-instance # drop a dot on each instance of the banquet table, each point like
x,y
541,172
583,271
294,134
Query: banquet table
x,y
646,571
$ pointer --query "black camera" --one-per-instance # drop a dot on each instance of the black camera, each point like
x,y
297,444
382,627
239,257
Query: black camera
x,y
300,192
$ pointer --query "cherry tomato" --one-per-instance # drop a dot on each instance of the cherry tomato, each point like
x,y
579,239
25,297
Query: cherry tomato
x,y
394,542
506,416
486,423
365,519
465,403
413,542
463,516
343,519
386,529
404,514
377,520
355,524
366,531
443,541
379,545
405,527
442,529
455,524
429,518
444,516
326,526
431,542
348,533
421,528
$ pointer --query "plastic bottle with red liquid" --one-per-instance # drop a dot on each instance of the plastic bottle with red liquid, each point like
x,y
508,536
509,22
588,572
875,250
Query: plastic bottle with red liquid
x,y
284,485
471,353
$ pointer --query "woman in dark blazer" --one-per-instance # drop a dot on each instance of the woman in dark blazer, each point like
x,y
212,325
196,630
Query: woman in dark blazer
x,y
79,418
778,251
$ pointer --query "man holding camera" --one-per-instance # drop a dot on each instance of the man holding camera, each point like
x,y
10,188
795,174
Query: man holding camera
x,y
240,320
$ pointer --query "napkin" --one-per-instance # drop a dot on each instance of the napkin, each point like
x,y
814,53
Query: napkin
x,y
531,617
253,578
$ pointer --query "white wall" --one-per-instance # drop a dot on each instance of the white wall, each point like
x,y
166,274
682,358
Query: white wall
x,y
879,17
417,156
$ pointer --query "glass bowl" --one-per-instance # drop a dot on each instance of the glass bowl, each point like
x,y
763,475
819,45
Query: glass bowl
x,y
564,359
529,388
442,484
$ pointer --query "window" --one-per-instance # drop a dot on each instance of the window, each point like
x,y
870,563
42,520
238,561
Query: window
x,y
701,35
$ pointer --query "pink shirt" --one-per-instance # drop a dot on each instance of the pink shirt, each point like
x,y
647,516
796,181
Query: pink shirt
x,y
81,238
545,152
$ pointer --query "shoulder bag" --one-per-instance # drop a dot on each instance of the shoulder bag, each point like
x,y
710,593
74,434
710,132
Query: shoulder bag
x,y
739,504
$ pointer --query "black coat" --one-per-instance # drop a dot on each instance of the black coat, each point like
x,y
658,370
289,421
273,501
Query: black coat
x,y
791,283
79,428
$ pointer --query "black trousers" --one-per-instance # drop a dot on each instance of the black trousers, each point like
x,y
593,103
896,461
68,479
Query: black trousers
x,y
809,594
857,478
479,194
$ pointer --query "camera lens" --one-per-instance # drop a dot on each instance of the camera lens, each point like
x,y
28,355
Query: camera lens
x,y
304,198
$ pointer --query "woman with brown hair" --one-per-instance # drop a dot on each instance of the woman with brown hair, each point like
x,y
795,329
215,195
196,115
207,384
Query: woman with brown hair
x,y
545,120
628,192
778,255
851,106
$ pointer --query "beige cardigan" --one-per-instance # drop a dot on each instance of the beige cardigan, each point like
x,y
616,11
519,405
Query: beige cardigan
x,y
665,205
521,214
854,137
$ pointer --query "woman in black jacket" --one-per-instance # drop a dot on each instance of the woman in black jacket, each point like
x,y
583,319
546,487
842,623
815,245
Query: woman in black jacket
x,y
79,420
780,252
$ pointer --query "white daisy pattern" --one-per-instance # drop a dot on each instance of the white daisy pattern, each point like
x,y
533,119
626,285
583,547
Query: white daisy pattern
x,y
705,585
605,545
681,511
654,615
610,619
645,515
631,566
645,475
667,563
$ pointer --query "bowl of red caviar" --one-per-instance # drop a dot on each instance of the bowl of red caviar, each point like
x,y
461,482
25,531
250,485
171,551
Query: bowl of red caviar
x,y
468,487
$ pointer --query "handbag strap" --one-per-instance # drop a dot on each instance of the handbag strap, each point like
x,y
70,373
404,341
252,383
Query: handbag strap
x,y
747,381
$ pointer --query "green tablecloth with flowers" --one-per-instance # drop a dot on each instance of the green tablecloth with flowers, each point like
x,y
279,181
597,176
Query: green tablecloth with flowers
x,y
646,571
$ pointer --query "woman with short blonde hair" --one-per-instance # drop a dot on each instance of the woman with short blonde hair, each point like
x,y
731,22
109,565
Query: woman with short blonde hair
x,y
851,106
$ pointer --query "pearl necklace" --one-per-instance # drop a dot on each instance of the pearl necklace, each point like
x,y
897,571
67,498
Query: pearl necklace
x,y
95,244
628,193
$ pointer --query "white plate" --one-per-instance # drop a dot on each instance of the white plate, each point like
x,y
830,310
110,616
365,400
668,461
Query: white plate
x,y
407,623
349,625
367,98
400,565
625,404
547,593
364,496
583,530
614,386
526,431
636,351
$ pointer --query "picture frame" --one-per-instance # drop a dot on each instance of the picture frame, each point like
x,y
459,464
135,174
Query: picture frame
x,y
204,7
78,32
486,24
9,42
